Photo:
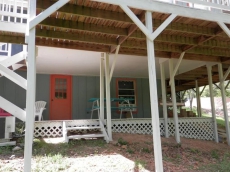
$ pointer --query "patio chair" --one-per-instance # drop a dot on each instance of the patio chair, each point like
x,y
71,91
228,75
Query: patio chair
x,y
39,107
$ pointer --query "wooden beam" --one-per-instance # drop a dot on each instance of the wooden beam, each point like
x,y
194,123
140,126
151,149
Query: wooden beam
x,y
69,36
72,45
131,30
112,41
47,12
202,82
82,26
102,44
189,41
77,10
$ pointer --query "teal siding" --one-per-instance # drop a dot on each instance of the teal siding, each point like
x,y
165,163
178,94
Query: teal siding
x,y
17,95
83,88
43,92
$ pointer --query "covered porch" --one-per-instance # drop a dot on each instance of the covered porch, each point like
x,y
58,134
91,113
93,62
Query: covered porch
x,y
172,30
194,128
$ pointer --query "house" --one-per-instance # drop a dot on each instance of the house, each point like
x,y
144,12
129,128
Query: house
x,y
173,30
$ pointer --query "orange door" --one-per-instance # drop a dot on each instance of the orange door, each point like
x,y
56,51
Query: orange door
x,y
60,97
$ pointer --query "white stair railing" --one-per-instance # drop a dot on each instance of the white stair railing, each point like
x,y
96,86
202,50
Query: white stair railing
x,y
3,47
13,10
210,5
106,137
13,15
7,61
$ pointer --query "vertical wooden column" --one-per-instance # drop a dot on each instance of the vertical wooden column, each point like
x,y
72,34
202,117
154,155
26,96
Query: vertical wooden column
x,y
31,91
198,99
209,70
102,65
220,70
153,96
163,92
9,51
108,102
173,93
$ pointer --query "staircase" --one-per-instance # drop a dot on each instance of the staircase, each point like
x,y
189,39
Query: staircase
x,y
95,132
12,62
8,64
222,135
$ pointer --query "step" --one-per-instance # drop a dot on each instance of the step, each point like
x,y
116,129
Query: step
x,y
85,136
221,130
82,128
4,140
10,143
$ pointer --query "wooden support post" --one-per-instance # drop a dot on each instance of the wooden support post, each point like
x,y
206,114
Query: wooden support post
x,y
220,70
163,92
114,62
177,66
9,52
209,70
31,92
198,99
102,64
153,96
173,93
108,102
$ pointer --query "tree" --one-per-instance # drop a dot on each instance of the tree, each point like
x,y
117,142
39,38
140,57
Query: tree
x,y
190,94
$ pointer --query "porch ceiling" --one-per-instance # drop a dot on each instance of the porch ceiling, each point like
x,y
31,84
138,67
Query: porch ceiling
x,y
95,26
187,79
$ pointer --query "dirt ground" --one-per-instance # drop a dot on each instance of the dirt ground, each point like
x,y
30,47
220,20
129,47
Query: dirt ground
x,y
127,152
190,155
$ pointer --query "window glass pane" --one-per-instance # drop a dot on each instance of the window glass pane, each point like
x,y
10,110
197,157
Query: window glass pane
x,y
132,101
126,92
60,88
125,85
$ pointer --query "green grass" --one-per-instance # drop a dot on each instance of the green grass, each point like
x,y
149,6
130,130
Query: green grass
x,y
146,150
122,141
214,154
51,163
221,166
130,151
6,150
140,164
219,120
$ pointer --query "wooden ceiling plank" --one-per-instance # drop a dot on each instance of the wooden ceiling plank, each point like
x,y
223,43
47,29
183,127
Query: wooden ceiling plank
x,y
71,25
75,37
72,45
131,30
86,11
81,26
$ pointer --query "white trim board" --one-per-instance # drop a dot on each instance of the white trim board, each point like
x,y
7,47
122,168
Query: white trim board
x,y
162,7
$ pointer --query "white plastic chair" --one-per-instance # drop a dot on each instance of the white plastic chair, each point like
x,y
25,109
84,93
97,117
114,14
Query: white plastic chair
x,y
39,107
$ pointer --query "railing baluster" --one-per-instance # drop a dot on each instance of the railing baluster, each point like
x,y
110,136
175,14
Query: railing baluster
x,y
14,11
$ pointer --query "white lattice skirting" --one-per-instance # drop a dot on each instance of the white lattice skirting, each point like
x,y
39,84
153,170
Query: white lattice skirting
x,y
135,126
54,128
197,128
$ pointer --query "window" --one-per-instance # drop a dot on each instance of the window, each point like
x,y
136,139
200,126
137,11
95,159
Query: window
x,y
126,89
60,88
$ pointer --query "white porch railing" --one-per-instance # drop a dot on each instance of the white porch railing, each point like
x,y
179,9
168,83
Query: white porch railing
x,y
197,128
211,5
13,15
3,48
14,10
